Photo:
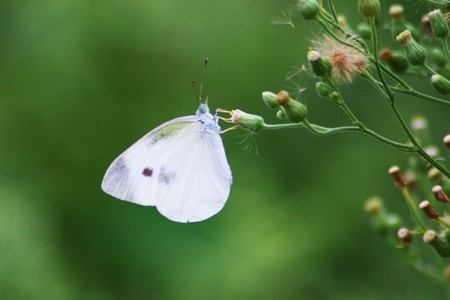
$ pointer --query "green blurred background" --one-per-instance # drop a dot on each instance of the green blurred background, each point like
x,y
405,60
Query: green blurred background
x,y
82,80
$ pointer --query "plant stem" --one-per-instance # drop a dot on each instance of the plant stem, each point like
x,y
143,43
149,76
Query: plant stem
x,y
409,91
444,222
412,207
421,95
377,62
320,130
333,10
445,47
429,69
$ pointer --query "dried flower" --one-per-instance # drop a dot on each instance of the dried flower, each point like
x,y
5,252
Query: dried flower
x,y
346,61
405,235
397,176
447,141
429,210
439,194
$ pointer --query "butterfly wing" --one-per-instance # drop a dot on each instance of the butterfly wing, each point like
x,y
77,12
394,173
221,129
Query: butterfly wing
x,y
179,167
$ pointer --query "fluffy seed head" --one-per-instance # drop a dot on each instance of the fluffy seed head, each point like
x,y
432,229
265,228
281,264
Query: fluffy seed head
x,y
346,61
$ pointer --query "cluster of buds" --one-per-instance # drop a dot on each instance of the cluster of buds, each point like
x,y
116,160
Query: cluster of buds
x,y
420,52
287,108
431,222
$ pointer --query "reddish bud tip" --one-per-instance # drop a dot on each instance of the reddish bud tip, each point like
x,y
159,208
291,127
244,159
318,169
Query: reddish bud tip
x,y
440,195
447,141
397,176
429,210
405,235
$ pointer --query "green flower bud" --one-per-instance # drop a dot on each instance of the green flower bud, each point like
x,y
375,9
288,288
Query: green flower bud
x,y
269,99
387,224
438,23
396,60
308,9
441,246
364,31
415,53
368,8
373,205
295,111
323,89
247,121
321,67
438,57
441,84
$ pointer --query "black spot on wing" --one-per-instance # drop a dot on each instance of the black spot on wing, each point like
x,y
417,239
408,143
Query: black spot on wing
x,y
148,172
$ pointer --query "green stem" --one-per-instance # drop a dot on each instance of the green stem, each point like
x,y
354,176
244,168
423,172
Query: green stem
x,y
320,130
412,207
444,222
445,46
333,10
419,149
377,63
429,69
409,91
421,95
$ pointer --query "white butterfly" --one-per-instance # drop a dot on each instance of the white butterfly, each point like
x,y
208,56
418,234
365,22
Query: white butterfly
x,y
180,167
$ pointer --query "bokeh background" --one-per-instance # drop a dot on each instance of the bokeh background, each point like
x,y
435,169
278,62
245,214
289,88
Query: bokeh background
x,y
82,80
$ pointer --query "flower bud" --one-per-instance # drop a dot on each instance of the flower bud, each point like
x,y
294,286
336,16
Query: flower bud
x,y
438,23
269,99
441,84
248,121
396,11
426,24
324,90
295,111
320,66
441,246
308,9
447,141
435,174
432,151
373,205
415,53
396,60
405,235
368,8
438,57
364,31
429,210
440,195
419,124
397,176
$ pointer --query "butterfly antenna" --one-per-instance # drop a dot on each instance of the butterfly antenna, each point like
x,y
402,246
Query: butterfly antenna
x,y
196,92
202,80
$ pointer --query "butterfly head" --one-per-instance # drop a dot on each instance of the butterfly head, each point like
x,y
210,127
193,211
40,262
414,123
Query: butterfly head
x,y
202,109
